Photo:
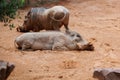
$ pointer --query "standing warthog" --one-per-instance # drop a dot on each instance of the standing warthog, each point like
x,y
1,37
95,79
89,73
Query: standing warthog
x,y
45,19
52,40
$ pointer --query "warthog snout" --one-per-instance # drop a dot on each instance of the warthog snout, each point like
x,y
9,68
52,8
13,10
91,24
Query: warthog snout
x,y
87,46
21,28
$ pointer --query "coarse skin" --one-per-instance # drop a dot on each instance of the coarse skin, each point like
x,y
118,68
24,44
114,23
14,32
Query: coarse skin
x,y
52,40
45,19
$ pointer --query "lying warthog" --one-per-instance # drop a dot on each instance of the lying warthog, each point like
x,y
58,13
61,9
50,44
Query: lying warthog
x,y
45,19
52,40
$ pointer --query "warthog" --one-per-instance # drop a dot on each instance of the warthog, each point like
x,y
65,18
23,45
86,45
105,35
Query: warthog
x,y
45,19
52,40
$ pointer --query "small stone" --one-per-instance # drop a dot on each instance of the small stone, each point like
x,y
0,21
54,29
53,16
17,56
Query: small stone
x,y
107,74
60,77
5,69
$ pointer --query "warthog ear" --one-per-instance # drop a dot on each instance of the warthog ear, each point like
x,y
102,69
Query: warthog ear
x,y
67,31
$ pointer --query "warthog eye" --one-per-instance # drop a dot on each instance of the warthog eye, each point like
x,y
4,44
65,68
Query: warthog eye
x,y
78,35
25,16
72,35
25,21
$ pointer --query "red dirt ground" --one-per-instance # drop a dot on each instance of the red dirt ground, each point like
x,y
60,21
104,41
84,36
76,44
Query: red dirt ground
x,y
97,21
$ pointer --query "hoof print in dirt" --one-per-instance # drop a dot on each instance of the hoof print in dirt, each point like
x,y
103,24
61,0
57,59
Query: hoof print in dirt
x,y
107,74
70,64
5,69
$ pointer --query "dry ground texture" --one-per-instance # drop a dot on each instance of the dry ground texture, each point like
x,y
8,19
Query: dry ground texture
x,y
96,20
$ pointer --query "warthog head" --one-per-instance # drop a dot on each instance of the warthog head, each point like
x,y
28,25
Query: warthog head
x,y
78,39
74,36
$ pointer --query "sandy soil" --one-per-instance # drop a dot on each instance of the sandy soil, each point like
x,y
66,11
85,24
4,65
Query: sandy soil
x,y
96,20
